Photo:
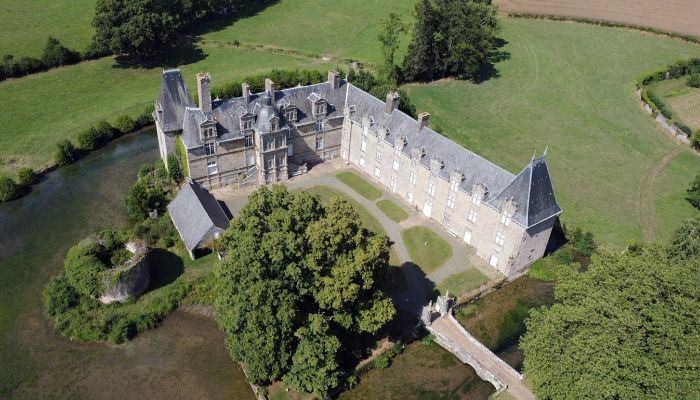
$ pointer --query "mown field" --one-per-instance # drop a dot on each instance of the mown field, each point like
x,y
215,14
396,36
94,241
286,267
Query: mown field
x,y
571,87
683,100
25,25
677,16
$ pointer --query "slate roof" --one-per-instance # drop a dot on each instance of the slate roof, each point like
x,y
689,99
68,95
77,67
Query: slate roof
x,y
195,212
173,99
532,191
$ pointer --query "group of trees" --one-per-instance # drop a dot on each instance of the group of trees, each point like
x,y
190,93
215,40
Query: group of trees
x,y
626,328
11,189
298,289
693,192
55,55
151,190
451,38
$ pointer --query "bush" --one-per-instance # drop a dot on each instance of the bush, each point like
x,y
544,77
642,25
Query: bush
x,y
59,296
174,169
87,139
694,80
651,77
124,124
9,190
141,200
66,153
564,255
105,132
660,105
146,117
582,242
56,54
27,176
695,140
684,128
693,193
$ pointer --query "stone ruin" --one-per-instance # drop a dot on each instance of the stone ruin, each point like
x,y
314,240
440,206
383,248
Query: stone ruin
x,y
129,279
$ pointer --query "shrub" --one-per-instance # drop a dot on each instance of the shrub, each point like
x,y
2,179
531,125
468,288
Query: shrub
x,y
9,190
105,132
660,105
564,255
59,296
161,171
66,153
582,242
651,77
146,117
381,362
87,139
83,271
695,140
174,168
124,124
694,80
27,176
141,200
678,69
683,127
693,193
56,54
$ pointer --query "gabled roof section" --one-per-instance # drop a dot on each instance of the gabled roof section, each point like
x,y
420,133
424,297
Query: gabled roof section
x,y
533,193
195,212
174,98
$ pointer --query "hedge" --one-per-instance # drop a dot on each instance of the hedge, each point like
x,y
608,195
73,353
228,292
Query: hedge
x,y
659,104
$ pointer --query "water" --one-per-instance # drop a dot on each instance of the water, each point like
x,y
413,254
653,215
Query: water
x,y
35,233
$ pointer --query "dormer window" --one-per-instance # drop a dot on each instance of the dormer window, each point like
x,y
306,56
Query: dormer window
x,y
247,123
274,124
291,114
320,108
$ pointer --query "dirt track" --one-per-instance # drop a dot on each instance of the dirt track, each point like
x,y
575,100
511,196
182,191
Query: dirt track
x,y
680,16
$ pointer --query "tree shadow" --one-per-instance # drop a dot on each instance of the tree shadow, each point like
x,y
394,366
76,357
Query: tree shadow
x,y
166,267
488,70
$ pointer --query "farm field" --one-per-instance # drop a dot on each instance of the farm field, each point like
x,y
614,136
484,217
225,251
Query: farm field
x,y
571,87
676,16
25,25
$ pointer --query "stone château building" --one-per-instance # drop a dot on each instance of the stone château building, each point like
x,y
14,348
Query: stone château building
x,y
268,137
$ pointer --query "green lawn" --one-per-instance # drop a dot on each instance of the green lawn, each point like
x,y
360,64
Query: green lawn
x,y
360,185
41,109
393,211
426,248
570,87
683,100
670,205
25,25
463,282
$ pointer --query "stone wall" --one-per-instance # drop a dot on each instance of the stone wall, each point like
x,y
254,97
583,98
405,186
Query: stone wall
x,y
128,280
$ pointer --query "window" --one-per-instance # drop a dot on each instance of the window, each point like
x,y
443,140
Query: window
x,y
248,140
431,188
476,199
412,178
274,125
472,216
468,236
447,220
454,185
451,200
319,142
392,183
377,172
505,219
271,163
210,148
395,167
397,149
362,161
379,156
320,109
409,197
269,143
247,124
212,168
319,126
494,260
500,239
291,115
363,145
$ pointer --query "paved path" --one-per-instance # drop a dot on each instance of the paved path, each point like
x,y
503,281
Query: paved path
x,y
454,338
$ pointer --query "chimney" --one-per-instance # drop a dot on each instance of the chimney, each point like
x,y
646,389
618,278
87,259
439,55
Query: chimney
x,y
270,88
423,119
334,78
245,92
204,90
392,101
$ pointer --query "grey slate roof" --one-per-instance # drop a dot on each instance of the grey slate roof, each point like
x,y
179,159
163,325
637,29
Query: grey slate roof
x,y
195,212
173,99
532,191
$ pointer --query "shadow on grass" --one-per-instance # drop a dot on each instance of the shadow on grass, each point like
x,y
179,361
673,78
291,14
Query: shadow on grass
x,y
166,267
497,55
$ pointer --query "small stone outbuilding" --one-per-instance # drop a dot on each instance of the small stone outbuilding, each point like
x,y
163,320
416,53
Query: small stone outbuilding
x,y
198,216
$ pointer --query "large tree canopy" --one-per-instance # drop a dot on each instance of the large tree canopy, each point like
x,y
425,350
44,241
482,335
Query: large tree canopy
x,y
298,284
451,38
628,328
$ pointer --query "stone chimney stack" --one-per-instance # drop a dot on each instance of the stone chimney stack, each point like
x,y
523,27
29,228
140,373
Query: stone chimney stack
x,y
334,78
270,88
392,101
423,119
204,90
245,92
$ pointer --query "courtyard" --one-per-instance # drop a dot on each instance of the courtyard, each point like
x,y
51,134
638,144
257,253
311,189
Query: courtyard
x,y
430,259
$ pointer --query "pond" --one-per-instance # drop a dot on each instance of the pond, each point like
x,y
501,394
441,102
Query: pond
x,y
185,357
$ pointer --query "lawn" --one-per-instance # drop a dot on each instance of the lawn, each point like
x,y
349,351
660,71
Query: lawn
x,y
683,100
463,282
670,203
360,185
25,25
570,87
393,211
426,248
41,109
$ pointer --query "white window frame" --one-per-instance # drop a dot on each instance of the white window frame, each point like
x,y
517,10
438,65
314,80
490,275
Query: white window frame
x,y
319,142
362,161
248,141
412,178
493,261
505,219
500,239
379,156
431,188
212,168
210,148
472,215
409,197
451,200
395,166
392,183
476,199
377,172
467,236
454,185
363,145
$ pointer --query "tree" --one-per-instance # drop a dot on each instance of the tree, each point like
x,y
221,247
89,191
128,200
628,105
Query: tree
x,y
693,191
124,124
56,54
685,241
389,31
9,190
451,38
142,199
626,329
299,282
27,176
82,268
66,153
175,169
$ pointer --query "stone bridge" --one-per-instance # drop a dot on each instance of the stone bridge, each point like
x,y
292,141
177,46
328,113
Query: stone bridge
x,y
452,336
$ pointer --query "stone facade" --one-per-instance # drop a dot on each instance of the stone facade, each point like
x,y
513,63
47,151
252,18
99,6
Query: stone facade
x,y
271,136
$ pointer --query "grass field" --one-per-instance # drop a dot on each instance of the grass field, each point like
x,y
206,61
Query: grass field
x,y
426,248
677,16
669,201
683,100
463,282
570,86
360,185
392,210
41,109
25,25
